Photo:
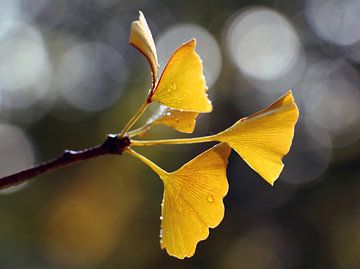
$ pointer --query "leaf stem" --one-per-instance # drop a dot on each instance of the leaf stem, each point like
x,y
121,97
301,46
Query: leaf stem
x,y
139,131
112,145
193,140
158,170
134,118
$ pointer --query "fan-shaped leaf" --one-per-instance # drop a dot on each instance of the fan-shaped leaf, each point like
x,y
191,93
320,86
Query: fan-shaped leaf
x,y
263,138
182,84
193,201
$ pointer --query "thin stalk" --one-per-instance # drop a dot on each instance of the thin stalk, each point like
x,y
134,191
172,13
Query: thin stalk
x,y
134,118
158,170
193,140
139,131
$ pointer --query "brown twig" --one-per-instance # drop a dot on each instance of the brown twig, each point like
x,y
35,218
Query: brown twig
x,y
112,145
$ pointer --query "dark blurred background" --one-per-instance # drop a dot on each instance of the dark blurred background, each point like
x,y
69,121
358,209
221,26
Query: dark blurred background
x,y
68,77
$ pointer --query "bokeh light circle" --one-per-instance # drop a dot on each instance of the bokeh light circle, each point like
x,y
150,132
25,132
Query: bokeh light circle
x,y
81,76
262,43
328,99
25,67
335,21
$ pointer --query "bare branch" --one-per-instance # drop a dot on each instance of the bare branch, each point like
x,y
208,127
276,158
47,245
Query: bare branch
x,y
112,145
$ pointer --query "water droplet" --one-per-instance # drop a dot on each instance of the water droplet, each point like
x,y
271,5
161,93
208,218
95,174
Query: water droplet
x,y
172,88
210,199
161,218
177,120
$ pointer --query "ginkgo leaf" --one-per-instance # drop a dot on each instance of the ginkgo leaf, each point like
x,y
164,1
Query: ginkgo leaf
x,y
263,138
182,121
193,199
182,85
141,39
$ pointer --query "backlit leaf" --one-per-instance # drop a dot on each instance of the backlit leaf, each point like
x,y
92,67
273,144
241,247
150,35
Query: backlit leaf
x,y
263,138
182,85
141,38
182,121
193,201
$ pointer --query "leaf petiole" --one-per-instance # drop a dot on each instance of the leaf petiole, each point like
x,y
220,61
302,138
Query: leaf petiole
x,y
145,160
192,140
139,131
134,118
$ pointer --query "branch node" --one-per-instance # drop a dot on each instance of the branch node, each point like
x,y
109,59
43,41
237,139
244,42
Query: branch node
x,y
116,144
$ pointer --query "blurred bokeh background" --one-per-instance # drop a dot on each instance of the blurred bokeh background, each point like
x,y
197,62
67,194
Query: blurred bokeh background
x,y
68,77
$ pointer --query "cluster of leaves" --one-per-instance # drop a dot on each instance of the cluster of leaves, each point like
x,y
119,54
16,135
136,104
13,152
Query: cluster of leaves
x,y
193,194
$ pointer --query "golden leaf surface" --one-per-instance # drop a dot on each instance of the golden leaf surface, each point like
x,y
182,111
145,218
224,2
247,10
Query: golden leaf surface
x,y
193,201
182,121
265,137
182,85
141,39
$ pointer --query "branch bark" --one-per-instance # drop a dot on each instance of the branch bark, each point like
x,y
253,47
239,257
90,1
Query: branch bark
x,y
112,145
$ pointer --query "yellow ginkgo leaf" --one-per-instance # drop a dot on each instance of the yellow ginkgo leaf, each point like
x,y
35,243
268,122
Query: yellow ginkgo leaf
x,y
182,121
193,199
141,38
182,85
263,138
